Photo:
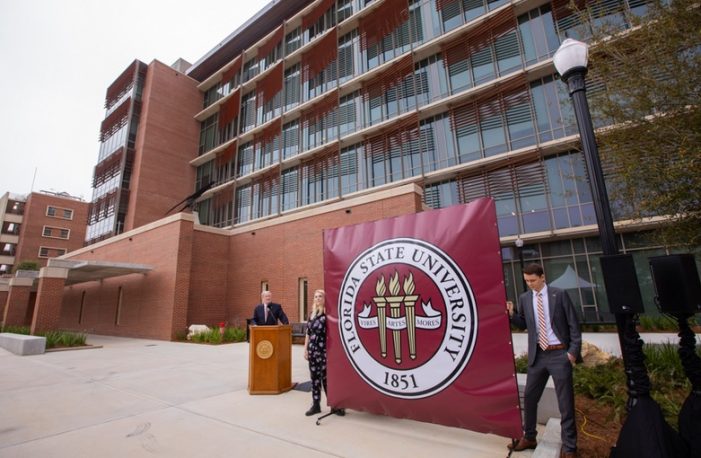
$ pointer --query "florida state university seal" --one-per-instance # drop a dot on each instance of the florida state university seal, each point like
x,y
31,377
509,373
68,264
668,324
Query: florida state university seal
x,y
407,318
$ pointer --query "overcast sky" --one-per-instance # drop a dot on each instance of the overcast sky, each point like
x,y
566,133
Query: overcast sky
x,y
57,58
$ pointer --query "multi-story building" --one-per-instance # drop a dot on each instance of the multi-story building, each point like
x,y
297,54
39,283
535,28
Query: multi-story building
x,y
460,97
318,114
39,226
11,211
36,228
146,139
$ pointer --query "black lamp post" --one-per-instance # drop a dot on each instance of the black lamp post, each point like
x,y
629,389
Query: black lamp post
x,y
571,63
519,246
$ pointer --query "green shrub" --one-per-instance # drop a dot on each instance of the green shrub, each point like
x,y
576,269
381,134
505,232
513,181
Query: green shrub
x,y
63,339
521,363
214,336
27,265
234,334
658,323
16,329
606,383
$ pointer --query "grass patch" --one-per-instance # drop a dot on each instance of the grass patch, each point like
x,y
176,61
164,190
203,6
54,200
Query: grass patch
x,y
16,329
63,339
53,338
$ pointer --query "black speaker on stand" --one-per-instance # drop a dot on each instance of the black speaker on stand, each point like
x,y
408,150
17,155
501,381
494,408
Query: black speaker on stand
x,y
621,280
677,285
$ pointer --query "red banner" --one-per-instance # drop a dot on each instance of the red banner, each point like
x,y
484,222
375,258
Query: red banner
x,y
417,322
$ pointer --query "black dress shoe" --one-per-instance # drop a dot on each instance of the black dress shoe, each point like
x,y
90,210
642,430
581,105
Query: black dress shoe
x,y
523,444
313,410
339,412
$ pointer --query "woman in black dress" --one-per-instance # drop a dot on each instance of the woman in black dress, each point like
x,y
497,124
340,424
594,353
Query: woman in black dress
x,y
315,350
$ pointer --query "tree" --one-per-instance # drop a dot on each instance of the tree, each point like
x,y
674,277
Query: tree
x,y
651,98
27,265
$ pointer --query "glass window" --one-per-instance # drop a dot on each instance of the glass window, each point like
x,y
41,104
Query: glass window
x,y
243,204
519,121
292,87
451,15
482,65
508,53
290,189
245,159
473,9
492,129
351,178
290,135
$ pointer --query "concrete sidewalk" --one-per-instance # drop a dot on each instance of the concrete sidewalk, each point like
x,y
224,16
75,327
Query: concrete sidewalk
x,y
136,398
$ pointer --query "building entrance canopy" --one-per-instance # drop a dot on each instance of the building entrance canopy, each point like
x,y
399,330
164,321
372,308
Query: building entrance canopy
x,y
84,271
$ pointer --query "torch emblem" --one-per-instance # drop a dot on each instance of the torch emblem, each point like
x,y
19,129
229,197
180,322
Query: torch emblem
x,y
431,319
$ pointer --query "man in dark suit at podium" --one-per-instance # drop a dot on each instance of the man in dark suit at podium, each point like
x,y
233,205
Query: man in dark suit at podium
x,y
268,313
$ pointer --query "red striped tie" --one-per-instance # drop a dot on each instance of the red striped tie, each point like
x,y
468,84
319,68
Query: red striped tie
x,y
542,329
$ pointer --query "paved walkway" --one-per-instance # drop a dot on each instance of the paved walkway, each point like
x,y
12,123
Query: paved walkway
x,y
135,398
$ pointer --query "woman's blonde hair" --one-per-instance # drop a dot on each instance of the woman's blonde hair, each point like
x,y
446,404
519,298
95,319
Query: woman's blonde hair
x,y
318,309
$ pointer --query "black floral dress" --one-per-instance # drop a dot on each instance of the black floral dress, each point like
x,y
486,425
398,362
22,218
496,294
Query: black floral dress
x,y
316,330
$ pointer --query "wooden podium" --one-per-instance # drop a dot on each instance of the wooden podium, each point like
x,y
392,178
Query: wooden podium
x,y
269,359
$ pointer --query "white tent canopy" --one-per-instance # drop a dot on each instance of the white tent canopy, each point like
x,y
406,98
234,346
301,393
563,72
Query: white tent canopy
x,y
570,280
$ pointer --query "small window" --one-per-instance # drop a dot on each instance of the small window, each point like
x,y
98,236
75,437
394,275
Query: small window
x,y
56,212
56,232
49,252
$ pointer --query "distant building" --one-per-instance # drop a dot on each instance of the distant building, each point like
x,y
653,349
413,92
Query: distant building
x,y
319,114
39,226
35,228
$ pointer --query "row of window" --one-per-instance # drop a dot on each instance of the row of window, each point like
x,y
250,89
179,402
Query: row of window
x,y
56,232
59,212
532,39
9,249
525,117
10,228
15,207
574,265
432,79
51,252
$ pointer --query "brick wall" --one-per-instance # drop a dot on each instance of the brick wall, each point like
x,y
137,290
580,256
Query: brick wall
x,y
48,305
203,275
282,254
148,300
209,272
31,236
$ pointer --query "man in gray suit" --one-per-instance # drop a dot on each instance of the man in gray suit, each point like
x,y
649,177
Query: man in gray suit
x,y
554,345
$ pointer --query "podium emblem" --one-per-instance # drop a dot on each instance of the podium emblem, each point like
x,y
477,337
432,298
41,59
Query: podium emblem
x,y
264,349
407,318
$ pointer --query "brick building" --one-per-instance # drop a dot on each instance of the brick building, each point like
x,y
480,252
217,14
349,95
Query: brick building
x,y
35,228
318,114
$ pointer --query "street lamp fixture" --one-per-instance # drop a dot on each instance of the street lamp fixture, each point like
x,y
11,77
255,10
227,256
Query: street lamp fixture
x,y
571,61
519,246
